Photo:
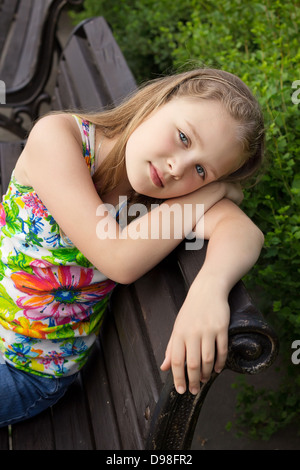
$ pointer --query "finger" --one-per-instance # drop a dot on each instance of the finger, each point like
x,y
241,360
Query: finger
x,y
207,358
177,364
222,351
193,361
166,364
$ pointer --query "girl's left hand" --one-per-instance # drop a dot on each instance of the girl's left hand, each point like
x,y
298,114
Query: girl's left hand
x,y
199,337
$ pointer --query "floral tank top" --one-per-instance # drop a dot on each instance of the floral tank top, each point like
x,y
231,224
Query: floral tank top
x,y
52,299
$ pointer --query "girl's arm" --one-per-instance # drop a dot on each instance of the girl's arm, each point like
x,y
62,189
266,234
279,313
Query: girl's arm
x,y
200,332
57,171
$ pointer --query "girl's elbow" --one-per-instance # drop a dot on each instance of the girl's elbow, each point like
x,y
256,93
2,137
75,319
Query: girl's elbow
x,y
262,237
259,235
123,275
257,239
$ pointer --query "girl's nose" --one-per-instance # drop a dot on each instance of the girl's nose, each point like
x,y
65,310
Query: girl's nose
x,y
176,167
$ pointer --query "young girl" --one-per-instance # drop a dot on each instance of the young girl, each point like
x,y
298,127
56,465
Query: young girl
x,y
182,140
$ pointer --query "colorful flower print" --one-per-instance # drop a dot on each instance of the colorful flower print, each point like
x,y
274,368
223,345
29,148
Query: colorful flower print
x,y
21,349
32,201
59,294
2,216
52,299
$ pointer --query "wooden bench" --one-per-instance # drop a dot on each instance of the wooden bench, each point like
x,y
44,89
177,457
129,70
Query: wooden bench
x,y
27,45
122,400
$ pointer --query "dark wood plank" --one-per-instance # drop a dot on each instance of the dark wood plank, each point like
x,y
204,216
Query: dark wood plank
x,y
71,422
34,434
160,294
103,416
110,61
96,82
64,97
85,83
190,261
27,58
141,367
4,440
121,391
14,45
28,62
7,12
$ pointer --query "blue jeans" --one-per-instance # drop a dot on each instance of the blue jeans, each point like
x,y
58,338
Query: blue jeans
x,y
23,395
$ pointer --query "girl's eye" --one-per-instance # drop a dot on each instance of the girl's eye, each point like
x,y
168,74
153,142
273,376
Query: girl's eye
x,y
200,170
183,138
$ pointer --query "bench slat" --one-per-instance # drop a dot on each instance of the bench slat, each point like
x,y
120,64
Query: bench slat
x,y
72,429
159,307
120,388
28,46
64,97
34,434
7,12
86,90
4,441
14,43
32,44
142,371
110,61
94,84
100,402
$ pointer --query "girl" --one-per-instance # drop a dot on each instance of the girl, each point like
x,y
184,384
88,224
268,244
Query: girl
x,y
182,140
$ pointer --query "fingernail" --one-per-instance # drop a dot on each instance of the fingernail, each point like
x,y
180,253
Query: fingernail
x,y
180,389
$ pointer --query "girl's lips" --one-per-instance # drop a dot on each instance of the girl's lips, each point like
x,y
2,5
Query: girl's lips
x,y
155,177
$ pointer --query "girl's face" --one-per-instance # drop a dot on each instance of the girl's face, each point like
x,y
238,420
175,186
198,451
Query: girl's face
x,y
184,145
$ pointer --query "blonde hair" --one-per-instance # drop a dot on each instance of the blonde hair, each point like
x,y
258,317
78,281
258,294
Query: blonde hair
x,y
210,84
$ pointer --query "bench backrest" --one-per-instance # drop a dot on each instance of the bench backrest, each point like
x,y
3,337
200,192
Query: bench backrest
x,y
27,41
92,71
21,26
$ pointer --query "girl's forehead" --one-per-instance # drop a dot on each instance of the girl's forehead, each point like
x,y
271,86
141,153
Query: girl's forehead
x,y
200,107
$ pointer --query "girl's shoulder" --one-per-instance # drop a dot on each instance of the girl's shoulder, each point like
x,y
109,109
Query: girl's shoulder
x,y
50,137
57,122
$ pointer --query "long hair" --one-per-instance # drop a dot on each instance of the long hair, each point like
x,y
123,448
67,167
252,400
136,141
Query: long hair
x,y
209,84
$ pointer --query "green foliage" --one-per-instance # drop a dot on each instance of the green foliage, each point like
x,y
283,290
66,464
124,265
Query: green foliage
x,y
263,412
258,41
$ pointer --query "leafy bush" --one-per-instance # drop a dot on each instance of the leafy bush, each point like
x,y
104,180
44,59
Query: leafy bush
x,y
259,41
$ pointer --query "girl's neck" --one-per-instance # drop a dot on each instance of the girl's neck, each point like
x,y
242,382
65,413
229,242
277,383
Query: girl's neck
x,y
103,146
